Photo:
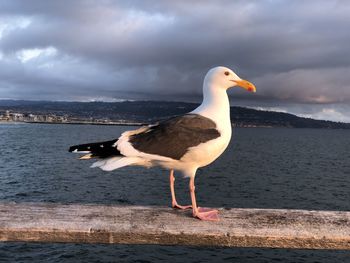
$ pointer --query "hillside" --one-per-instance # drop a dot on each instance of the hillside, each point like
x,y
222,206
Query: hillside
x,y
151,111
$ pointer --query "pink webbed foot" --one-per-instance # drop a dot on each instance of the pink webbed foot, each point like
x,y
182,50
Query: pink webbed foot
x,y
207,214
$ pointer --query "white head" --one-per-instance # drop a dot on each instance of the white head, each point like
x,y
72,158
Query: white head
x,y
216,104
225,78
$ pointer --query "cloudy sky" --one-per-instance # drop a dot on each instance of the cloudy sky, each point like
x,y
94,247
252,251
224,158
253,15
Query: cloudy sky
x,y
297,53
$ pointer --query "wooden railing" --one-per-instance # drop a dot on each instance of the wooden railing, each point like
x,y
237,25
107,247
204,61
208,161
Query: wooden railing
x,y
272,228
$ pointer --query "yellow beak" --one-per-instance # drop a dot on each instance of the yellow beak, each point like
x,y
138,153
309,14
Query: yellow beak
x,y
245,84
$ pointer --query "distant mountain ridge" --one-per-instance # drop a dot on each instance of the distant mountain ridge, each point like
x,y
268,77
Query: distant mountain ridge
x,y
151,111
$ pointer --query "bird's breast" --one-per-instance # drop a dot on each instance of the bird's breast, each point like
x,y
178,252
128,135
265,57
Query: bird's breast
x,y
205,153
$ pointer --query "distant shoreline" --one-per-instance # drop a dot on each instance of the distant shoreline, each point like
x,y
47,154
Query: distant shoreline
x,y
78,123
143,112
119,124
140,124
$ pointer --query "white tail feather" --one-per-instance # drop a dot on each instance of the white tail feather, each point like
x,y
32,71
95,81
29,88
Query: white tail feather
x,y
113,163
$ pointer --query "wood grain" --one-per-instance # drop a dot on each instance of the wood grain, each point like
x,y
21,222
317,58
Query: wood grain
x,y
271,228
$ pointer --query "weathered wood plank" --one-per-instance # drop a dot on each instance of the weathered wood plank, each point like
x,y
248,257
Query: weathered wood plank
x,y
273,228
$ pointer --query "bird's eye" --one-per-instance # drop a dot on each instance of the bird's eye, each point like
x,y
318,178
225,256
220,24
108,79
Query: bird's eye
x,y
227,73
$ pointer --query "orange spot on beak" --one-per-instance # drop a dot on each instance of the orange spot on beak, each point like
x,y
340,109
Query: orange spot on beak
x,y
246,85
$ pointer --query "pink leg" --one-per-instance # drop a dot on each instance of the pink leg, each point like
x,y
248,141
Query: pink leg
x,y
174,203
201,213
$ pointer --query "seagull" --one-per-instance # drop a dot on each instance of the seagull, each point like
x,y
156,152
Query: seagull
x,y
182,143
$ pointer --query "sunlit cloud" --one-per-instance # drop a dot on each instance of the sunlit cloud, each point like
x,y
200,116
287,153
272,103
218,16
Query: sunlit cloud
x,y
328,114
332,112
29,54
9,23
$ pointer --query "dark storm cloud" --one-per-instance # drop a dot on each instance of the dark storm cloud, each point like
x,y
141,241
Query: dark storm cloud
x,y
294,51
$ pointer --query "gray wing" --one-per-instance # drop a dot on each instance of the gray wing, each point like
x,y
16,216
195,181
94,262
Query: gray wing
x,y
172,138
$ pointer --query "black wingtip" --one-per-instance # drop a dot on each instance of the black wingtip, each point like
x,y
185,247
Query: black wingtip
x,y
98,149
72,149
80,148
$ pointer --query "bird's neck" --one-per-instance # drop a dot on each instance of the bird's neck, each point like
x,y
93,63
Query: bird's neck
x,y
215,105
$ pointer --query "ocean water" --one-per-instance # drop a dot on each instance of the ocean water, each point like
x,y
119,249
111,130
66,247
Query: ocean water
x,y
262,168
